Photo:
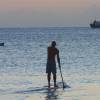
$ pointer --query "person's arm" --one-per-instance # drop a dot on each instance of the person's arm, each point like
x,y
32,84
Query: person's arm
x,y
58,59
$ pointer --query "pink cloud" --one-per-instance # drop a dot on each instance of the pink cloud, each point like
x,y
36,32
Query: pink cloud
x,y
9,5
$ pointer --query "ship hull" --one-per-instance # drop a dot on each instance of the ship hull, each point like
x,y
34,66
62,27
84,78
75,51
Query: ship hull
x,y
95,24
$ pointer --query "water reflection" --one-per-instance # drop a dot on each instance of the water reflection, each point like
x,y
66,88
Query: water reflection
x,y
52,95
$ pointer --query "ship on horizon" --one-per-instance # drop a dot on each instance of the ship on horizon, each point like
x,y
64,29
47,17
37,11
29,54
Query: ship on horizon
x,y
95,24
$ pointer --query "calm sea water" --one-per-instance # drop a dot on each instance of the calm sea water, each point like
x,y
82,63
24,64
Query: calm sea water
x,y
25,52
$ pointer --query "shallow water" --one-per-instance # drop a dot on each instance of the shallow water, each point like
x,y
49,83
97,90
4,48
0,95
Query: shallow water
x,y
23,60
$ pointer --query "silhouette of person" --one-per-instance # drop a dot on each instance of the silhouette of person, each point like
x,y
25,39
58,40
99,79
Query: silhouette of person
x,y
52,53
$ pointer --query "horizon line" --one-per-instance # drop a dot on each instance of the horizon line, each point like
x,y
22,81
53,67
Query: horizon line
x,y
49,27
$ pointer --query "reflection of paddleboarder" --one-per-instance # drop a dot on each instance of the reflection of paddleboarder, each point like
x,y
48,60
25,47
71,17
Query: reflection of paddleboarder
x,y
52,53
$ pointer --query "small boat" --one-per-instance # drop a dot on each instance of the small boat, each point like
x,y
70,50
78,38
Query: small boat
x,y
95,24
1,44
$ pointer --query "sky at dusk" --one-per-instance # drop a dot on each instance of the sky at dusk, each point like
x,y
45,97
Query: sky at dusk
x,y
48,13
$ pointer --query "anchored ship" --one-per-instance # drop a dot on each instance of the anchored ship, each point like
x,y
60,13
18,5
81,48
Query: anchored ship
x,y
95,24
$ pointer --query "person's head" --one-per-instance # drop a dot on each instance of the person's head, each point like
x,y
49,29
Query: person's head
x,y
53,44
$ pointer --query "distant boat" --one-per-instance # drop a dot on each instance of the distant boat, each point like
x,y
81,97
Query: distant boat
x,y
95,24
1,44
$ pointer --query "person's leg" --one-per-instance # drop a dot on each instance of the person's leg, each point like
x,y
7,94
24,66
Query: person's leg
x,y
49,77
54,78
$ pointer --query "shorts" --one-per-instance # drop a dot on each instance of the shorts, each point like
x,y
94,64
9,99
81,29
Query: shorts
x,y
51,67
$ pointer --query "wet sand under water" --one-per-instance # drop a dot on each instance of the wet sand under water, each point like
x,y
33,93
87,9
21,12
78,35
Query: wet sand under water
x,y
30,88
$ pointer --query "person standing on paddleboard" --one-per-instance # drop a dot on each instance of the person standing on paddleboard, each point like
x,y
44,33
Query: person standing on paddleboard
x,y
52,54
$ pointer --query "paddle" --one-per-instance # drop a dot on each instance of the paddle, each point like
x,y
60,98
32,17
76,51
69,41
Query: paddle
x,y
61,77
